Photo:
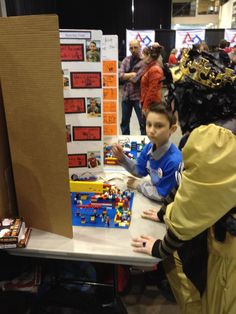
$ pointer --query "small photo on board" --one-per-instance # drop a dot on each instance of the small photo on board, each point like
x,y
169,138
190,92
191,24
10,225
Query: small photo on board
x,y
93,51
94,107
66,78
94,159
68,133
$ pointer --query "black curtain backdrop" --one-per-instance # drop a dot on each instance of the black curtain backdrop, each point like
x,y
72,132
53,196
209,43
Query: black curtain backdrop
x,y
152,14
213,37
112,17
166,38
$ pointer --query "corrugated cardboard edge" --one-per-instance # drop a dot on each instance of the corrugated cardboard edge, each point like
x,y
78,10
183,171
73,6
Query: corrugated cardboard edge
x,y
32,90
7,189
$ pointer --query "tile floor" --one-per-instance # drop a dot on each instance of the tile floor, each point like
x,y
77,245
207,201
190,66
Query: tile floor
x,y
150,301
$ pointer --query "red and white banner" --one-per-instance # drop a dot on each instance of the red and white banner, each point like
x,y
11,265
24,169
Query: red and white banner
x,y
188,38
230,36
146,38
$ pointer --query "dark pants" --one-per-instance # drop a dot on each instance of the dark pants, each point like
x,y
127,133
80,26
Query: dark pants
x,y
127,107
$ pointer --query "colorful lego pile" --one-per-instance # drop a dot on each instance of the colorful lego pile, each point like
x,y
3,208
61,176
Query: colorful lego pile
x,y
131,149
112,208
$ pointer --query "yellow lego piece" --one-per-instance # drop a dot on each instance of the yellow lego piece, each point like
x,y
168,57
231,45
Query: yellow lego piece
x,y
86,186
83,197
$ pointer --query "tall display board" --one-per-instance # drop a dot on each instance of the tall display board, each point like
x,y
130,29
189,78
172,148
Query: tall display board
x,y
83,98
110,84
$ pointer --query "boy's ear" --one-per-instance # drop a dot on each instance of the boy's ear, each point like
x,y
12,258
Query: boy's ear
x,y
173,128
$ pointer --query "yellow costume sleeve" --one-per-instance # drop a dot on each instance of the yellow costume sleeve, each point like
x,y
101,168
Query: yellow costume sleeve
x,y
208,187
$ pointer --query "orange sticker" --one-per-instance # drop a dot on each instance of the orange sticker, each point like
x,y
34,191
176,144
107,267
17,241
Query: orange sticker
x,y
109,66
109,118
109,93
109,106
109,80
110,129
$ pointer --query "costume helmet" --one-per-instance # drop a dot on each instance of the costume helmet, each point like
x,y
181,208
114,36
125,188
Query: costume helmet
x,y
202,90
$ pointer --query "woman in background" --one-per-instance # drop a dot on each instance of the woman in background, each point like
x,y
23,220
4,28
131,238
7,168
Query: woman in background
x,y
172,58
151,82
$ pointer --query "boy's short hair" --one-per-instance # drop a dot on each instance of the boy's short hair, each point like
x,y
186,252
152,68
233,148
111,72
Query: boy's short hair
x,y
162,108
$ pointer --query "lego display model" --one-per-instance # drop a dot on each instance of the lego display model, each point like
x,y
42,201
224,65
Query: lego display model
x,y
112,208
131,149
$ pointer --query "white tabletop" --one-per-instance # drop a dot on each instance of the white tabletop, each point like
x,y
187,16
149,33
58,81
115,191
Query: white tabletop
x,y
105,245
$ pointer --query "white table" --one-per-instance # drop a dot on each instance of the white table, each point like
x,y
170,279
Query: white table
x,y
105,245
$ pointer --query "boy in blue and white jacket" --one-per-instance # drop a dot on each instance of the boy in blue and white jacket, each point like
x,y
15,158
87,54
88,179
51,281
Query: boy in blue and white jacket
x,y
160,158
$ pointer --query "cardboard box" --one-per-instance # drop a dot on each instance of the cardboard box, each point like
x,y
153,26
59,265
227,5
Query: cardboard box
x,y
32,90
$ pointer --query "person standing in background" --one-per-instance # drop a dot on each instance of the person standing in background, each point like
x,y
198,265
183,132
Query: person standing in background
x,y
131,70
232,54
151,82
223,56
172,58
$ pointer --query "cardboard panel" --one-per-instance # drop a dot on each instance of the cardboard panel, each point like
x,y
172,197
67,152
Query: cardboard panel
x,y
7,190
32,88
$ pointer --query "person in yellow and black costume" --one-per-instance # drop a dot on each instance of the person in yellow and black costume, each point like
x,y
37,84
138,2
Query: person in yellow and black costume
x,y
199,248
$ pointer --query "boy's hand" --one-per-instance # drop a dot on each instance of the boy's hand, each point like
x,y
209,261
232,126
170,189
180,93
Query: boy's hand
x,y
150,214
143,244
117,151
132,183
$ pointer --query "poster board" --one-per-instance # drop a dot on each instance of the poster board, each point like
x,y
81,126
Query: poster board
x,y
32,90
81,62
110,85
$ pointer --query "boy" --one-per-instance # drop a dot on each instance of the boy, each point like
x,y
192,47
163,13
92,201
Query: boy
x,y
92,53
93,162
94,108
160,159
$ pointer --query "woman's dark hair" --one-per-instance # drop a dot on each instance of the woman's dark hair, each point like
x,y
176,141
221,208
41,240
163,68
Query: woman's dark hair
x,y
154,51
162,108
223,43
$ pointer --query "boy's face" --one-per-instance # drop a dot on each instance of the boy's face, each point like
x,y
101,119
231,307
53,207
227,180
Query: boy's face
x,y
158,128
93,103
92,46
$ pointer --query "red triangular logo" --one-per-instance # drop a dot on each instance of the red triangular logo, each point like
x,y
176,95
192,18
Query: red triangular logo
x,y
187,39
138,37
